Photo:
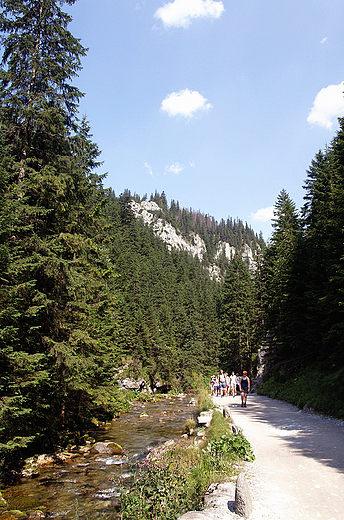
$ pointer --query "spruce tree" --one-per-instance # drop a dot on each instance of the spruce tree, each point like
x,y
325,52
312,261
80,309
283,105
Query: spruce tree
x,y
284,285
239,339
58,302
324,221
40,59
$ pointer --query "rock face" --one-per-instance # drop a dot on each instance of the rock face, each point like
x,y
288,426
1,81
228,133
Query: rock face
x,y
166,231
195,245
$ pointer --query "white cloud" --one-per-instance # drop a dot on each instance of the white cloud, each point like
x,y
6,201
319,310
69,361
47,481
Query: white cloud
x,y
323,40
327,106
263,214
174,168
179,13
185,102
149,169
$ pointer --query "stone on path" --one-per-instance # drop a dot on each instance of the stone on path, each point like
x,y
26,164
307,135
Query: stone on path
x,y
243,503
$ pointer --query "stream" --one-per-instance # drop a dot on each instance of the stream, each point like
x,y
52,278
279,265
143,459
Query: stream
x,y
88,486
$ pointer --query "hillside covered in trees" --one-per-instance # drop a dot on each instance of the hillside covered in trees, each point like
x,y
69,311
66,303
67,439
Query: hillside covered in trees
x,y
88,288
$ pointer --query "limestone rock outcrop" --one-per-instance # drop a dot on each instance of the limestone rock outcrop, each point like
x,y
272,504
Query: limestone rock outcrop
x,y
195,245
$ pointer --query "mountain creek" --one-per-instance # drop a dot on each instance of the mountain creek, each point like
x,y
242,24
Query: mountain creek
x,y
88,486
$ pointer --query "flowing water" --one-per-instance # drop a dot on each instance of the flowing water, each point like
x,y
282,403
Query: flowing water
x,y
88,486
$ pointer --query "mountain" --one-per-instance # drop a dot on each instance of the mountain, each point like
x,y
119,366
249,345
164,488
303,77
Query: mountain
x,y
215,245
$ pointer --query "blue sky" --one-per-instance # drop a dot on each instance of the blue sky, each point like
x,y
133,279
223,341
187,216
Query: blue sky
x,y
221,104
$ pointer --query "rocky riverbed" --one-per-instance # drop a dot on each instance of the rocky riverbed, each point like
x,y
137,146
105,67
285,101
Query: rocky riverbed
x,y
85,482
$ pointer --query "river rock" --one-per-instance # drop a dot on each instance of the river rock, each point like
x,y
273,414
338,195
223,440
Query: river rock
x,y
44,459
30,469
243,503
8,516
36,515
3,502
107,448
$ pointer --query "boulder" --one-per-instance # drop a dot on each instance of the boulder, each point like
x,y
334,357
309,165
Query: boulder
x,y
243,502
129,383
107,448
235,429
45,460
205,418
162,388
194,515
226,411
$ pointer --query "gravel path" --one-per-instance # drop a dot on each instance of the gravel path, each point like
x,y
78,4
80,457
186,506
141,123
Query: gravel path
x,y
298,472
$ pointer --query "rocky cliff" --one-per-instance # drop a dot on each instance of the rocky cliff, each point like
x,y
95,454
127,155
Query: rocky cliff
x,y
194,244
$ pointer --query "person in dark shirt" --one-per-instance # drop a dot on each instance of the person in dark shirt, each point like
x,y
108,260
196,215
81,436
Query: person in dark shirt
x,y
244,388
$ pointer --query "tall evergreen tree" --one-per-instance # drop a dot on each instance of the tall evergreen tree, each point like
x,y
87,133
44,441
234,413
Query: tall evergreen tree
x,y
239,318
58,302
324,221
40,59
284,283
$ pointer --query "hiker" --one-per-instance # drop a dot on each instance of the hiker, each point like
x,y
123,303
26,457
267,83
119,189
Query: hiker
x,y
222,383
232,384
237,384
244,388
228,384
212,384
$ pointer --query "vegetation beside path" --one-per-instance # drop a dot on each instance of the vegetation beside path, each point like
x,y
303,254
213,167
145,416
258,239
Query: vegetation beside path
x,y
311,387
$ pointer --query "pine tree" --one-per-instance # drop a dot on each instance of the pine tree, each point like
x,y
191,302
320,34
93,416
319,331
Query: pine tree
x,y
324,221
58,302
238,314
40,59
284,282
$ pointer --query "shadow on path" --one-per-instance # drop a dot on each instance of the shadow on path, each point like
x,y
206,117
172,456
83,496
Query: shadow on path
x,y
315,436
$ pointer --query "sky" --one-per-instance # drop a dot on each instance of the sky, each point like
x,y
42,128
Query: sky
x,y
220,104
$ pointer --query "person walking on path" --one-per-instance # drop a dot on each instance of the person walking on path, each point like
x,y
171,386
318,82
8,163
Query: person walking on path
x,y
244,388
233,383
222,383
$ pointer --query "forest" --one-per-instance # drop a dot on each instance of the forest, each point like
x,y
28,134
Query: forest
x,y
87,289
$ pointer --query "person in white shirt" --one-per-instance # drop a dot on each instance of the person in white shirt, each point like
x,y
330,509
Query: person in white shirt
x,y
233,383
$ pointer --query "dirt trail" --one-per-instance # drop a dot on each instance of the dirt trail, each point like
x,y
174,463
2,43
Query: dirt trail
x,y
299,468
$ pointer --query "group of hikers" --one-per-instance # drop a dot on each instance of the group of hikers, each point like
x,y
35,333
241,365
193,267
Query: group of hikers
x,y
225,385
